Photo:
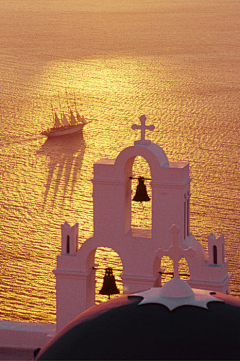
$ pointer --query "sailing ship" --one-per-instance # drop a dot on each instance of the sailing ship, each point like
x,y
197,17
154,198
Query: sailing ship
x,y
64,126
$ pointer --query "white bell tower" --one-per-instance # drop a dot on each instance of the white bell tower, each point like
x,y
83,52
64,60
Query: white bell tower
x,y
170,182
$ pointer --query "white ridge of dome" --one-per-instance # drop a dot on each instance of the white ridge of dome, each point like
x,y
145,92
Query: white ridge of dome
x,y
176,293
176,288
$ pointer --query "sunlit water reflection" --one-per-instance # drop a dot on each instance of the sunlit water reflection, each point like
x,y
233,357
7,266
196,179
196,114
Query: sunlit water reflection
x,y
176,62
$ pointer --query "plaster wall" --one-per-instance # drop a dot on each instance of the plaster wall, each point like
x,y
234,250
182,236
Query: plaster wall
x,y
25,334
222,287
67,262
136,284
168,209
209,272
109,204
76,293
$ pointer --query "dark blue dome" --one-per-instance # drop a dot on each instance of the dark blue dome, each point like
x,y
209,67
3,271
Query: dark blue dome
x,y
121,329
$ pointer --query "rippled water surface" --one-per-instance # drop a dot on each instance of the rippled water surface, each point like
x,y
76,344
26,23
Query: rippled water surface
x,y
175,61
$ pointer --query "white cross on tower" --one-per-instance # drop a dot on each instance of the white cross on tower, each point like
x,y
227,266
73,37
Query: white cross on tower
x,y
175,251
143,127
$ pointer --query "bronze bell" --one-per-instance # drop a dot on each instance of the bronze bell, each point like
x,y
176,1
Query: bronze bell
x,y
141,192
109,286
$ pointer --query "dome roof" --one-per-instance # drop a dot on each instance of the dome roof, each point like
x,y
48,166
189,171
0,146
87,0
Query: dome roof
x,y
126,328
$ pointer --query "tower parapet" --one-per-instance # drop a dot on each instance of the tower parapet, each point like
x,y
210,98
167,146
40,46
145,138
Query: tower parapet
x,y
69,239
216,249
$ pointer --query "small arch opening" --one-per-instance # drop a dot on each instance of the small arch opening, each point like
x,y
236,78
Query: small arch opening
x,y
106,257
141,212
183,269
167,269
214,254
68,244
76,243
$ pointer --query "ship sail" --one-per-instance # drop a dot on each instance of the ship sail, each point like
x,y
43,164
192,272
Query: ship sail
x,y
57,122
81,119
72,118
65,121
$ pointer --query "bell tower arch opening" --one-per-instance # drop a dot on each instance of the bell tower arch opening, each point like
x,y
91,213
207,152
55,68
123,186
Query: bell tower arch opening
x,y
167,269
184,272
141,211
107,258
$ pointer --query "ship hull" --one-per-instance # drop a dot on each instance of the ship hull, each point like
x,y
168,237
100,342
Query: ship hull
x,y
58,132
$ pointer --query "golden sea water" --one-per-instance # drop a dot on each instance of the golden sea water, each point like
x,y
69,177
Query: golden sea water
x,y
175,61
